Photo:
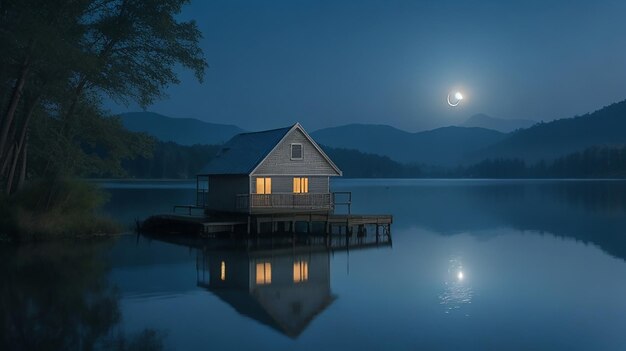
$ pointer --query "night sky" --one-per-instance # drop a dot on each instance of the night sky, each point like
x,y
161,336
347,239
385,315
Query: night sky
x,y
328,63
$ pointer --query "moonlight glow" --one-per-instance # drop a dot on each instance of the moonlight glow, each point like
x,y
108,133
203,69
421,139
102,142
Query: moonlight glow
x,y
455,99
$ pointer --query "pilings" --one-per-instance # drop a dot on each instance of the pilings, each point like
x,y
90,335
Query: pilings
x,y
325,224
275,224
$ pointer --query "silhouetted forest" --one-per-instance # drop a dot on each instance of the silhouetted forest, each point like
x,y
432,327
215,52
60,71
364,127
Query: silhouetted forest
x,y
356,164
173,161
593,162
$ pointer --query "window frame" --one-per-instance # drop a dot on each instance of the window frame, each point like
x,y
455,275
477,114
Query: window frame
x,y
300,185
267,185
301,151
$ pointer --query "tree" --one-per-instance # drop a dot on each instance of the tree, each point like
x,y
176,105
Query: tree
x,y
64,55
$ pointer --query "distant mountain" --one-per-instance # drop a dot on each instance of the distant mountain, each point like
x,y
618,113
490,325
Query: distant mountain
x,y
445,146
500,124
183,131
605,127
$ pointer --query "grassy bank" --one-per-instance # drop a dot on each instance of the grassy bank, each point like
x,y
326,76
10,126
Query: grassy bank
x,y
50,210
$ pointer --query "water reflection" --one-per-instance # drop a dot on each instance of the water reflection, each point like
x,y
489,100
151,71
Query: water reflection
x,y
455,246
283,289
593,212
280,282
457,289
57,297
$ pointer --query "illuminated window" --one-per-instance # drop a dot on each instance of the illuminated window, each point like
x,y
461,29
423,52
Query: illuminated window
x,y
296,151
263,273
300,185
300,271
223,271
264,185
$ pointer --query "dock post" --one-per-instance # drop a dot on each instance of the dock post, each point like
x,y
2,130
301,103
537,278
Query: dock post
x,y
377,233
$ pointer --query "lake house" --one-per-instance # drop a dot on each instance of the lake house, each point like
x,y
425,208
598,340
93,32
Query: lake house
x,y
274,171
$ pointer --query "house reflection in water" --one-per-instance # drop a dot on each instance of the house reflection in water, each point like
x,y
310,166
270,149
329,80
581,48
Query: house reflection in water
x,y
284,288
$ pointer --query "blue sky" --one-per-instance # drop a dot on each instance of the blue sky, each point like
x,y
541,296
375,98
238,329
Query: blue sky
x,y
328,63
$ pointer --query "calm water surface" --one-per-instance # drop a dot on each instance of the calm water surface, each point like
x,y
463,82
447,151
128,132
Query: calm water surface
x,y
473,265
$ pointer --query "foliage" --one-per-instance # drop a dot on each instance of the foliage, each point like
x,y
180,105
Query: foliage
x,y
60,57
47,209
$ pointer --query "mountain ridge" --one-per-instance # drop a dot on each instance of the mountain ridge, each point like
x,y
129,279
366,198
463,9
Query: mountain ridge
x,y
548,140
445,146
500,124
183,131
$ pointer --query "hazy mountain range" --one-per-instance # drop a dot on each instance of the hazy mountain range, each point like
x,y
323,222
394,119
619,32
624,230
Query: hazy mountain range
x,y
500,124
445,146
478,138
183,131
604,127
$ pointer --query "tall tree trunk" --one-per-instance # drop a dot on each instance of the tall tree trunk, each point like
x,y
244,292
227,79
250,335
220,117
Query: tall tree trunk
x,y
20,144
15,99
16,156
4,166
22,178
13,142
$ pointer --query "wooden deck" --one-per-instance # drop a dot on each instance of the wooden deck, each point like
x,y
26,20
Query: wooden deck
x,y
268,224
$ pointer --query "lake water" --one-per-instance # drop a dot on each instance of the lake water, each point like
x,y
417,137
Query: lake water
x,y
473,265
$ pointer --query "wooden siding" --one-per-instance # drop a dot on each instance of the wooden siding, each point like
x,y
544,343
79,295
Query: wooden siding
x,y
279,161
282,184
223,191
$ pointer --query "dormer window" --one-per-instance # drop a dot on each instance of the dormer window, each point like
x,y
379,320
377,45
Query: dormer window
x,y
296,151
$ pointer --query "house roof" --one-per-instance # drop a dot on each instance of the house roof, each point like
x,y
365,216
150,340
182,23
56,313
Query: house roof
x,y
249,305
244,152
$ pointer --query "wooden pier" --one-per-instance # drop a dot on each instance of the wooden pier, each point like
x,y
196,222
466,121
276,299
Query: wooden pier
x,y
205,225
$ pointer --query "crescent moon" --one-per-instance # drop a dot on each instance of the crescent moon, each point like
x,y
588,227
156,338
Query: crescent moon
x,y
450,102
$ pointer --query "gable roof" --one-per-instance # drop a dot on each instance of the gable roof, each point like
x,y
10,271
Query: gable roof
x,y
244,152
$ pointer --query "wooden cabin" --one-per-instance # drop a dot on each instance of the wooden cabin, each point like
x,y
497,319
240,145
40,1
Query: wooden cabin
x,y
274,171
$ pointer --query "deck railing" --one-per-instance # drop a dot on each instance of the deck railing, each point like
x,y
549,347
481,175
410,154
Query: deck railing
x,y
282,200
202,197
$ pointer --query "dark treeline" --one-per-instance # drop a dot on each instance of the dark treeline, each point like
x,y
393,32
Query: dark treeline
x,y
594,162
356,164
171,161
